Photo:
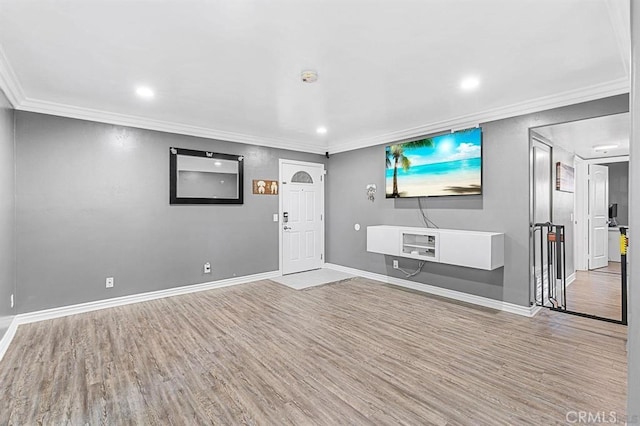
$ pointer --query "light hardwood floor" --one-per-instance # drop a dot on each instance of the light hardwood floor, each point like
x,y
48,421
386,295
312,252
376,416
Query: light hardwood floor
x,y
597,292
353,352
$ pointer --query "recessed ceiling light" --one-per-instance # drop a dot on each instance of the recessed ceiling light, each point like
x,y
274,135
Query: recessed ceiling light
x,y
145,92
321,130
604,147
469,83
217,163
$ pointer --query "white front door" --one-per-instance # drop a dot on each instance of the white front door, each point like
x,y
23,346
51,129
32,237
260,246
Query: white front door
x,y
598,216
301,216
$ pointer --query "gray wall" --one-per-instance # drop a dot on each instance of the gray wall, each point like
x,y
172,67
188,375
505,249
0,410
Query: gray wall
x,y
93,202
619,189
7,213
633,344
504,206
563,207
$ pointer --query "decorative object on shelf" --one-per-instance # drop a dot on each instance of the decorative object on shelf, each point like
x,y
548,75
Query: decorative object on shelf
x,y
205,177
564,177
371,192
265,187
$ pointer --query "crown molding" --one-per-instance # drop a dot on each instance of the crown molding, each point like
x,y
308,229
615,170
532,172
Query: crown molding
x,y
596,91
12,88
9,82
70,111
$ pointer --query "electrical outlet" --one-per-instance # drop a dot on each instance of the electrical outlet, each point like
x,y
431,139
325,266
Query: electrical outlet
x,y
12,304
207,268
109,282
395,264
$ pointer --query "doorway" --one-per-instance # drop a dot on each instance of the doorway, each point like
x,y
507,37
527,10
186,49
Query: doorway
x,y
581,210
301,216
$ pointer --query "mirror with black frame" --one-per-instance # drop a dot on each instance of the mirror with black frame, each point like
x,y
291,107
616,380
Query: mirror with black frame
x,y
203,177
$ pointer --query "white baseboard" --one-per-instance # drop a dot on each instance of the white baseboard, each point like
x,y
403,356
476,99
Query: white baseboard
x,y
8,337
534,310
570,279
439,291
137,298
63,311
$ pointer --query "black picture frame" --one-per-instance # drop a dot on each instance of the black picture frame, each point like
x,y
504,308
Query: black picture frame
x,y
174,179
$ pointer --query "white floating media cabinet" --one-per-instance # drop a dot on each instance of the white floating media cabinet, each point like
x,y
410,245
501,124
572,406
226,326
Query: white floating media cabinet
x,y
472,249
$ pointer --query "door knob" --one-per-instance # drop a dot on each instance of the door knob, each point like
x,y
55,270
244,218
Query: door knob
x,y
286,228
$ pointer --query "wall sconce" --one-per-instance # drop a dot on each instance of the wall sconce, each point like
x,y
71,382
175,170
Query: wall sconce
x,y
371,192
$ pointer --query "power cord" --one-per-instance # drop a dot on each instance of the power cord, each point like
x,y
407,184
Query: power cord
x,y
428,223
414,273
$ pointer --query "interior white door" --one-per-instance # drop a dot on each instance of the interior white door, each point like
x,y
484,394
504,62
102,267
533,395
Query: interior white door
x,y
541,199
302,216
598,216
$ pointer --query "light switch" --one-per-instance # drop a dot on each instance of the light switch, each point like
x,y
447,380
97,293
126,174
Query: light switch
x,y
275,217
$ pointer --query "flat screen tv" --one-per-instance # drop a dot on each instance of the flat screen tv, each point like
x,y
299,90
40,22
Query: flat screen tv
x,y
449,164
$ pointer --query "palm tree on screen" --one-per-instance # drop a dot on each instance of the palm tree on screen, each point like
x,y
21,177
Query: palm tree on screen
x,y
395,157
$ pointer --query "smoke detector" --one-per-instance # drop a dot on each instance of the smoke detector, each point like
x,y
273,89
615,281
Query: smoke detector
x,y
309,76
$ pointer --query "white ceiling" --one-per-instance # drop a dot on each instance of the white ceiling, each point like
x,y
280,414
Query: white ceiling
x,y
388,70
579,137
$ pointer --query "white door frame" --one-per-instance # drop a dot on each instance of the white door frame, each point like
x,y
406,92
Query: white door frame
x,y
281,161
581,206
582,203
535,139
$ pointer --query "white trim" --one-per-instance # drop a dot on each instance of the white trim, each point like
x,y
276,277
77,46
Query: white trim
x,y
137,298
534,310
9,82
596,91
280,223
143,297
8,337
81,113
581,215
499,305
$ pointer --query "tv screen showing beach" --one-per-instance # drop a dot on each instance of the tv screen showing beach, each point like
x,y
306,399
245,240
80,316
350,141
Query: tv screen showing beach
x,y
448,164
